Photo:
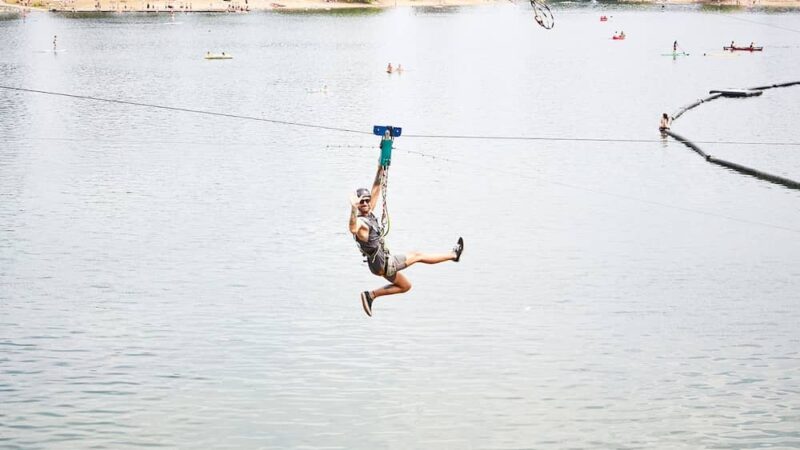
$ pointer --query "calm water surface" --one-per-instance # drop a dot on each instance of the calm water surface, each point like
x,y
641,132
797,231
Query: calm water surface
x,y
187,281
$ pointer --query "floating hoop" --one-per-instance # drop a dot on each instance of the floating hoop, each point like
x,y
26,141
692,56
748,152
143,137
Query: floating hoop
x,y
542,14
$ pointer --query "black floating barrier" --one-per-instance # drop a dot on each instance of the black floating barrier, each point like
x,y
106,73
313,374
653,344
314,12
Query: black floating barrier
x,y
756,173
762,88
738,92
695,104
688,143
737,167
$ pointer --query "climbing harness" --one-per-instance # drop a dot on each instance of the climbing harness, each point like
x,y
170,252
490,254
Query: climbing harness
x,y
386,160
387,133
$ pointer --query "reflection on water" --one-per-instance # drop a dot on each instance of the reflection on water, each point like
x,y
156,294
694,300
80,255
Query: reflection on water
x,y
179,280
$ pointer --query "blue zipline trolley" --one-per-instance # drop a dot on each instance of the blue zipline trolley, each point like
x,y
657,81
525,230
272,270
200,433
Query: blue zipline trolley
x,y
389,133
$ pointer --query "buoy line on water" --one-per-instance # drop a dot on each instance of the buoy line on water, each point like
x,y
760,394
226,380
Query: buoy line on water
x,y
578,187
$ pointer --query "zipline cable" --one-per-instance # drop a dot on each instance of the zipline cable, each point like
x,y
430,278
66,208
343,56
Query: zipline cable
x,y
251,143
188,110
284,122
348,130
576,139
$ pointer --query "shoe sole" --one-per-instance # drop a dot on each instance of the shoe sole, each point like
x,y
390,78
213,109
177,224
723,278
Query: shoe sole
x,y
365,305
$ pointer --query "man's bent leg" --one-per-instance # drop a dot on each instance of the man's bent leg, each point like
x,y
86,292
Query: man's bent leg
x,y
400,285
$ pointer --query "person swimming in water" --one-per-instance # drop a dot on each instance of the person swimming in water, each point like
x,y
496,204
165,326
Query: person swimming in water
x,y
663,125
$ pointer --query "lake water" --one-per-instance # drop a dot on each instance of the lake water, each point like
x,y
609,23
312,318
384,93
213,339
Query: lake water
x,y
188,281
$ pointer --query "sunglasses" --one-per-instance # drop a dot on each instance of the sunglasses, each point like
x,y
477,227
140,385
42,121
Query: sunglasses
x,y
364,201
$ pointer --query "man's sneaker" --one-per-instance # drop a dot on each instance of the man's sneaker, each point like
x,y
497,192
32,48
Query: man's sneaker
x,y
458,249
366,302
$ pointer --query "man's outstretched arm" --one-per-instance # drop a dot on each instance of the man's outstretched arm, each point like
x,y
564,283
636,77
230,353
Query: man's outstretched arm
x,y
376,188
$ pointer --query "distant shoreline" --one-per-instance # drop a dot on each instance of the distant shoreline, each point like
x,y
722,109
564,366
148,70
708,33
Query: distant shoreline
x,y
244,6
222,6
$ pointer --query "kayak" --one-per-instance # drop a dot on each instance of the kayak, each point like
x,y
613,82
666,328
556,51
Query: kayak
x,y
212,56
675,54
744,49
618,38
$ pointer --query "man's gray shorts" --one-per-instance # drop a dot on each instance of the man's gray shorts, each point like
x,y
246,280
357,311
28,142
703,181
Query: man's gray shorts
x,y
396,264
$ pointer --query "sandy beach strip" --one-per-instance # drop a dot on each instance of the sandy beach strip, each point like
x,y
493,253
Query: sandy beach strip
x,y
243,6
232,6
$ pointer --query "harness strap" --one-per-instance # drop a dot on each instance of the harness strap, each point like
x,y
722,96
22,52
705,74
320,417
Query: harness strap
x,y
385,221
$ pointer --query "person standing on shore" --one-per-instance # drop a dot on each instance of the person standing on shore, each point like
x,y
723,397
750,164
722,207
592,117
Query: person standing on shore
x,y
366,231
675,47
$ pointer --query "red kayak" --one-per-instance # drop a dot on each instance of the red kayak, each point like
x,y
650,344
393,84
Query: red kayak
x,y
744,49
618,38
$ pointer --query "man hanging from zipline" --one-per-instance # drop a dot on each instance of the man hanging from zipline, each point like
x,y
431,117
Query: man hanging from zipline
x,y
369,235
